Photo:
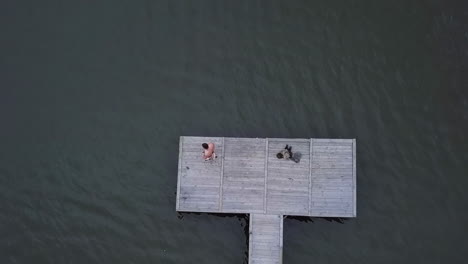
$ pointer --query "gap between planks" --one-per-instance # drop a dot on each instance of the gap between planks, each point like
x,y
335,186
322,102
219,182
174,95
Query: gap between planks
x,y
266,176
311,145
220,205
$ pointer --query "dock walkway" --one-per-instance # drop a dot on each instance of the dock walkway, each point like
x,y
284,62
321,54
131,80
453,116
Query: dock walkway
x,y
248,178
265,239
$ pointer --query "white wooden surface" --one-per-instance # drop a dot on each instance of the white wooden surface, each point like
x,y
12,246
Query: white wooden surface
x,y
248,178
244,175
332,178
265,239
288,182
199,180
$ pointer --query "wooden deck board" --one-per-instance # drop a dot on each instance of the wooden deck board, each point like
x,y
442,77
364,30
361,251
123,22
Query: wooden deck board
x,y
332,191
194,172
247,170
288,182
265,239
244,162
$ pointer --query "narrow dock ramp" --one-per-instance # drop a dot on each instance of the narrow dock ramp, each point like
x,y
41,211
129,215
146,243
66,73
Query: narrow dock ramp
x,y
265,239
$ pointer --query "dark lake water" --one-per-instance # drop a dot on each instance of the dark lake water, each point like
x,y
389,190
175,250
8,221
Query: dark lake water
x,y
95,94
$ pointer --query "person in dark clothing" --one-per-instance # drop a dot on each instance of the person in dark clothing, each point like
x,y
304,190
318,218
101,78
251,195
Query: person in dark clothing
x,y
285,153
288,148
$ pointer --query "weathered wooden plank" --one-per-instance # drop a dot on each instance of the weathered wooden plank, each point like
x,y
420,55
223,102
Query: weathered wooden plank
x,y
293,189
198,207
288,140
266,177
196,139
199,174
326,157
332,158
289,208
196,194
281,239
288,180
289,166
221,178
333,203
268,240
251,216
179,172
243,191
331,213
246,173
326,187
187,191
339,149
187,182
332,164
286,171
279,200
246,187
241,178
330,193
266,235
341,183
279,211
265,238
237,164
348,197
283,173
203,188
311,159
334,148
331,177
354,179
242,204
243,165
343,208
268,231
242,184
321,142
316,171
333,140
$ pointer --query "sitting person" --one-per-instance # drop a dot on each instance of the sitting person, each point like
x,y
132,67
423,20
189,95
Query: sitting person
x,y
208,152
285,153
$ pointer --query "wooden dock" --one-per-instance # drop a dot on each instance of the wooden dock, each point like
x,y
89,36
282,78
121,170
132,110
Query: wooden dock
x,y
265,238
248,178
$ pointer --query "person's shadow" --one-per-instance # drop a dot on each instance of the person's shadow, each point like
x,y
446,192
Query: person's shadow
x,y
296,157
